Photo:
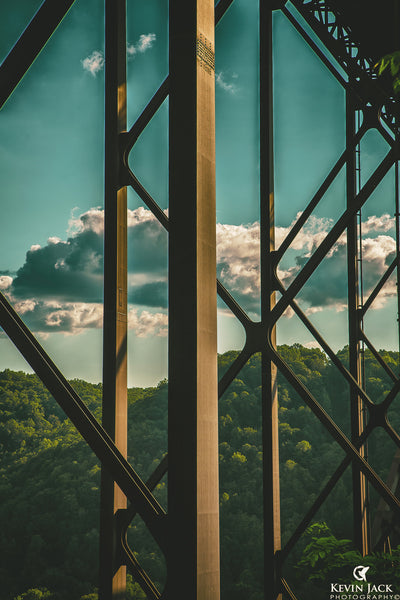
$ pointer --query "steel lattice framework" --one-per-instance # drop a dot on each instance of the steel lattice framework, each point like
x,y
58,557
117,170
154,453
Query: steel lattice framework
x,y
188,534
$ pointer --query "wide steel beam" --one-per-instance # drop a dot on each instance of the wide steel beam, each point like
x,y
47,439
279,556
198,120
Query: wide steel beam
x,y
271,491
193,506
30,44
360,516
115,418
397,218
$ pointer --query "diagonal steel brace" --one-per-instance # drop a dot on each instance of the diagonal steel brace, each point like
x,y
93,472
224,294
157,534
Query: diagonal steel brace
x,y
93,433
30,44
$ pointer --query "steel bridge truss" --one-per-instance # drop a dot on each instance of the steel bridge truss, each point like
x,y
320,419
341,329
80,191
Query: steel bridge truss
x,y
188,534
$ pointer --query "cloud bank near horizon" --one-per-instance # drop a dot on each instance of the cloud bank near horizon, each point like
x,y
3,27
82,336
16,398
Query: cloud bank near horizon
x,y
59,288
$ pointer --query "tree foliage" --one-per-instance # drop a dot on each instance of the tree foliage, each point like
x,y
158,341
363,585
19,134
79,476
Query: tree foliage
x,y
391,63
49,480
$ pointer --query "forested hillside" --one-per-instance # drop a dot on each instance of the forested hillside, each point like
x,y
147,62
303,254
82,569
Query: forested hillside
x,y
49,479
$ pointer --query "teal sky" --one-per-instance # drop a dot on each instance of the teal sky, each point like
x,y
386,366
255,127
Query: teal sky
x,y
51,169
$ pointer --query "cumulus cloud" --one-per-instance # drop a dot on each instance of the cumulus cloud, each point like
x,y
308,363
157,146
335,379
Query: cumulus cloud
x,y
227,82
72,270
61,317
328,284
238,263
60,285
94,62
92,220
378,253
145,42
74,317
5,282
310,236
381,224
147,323
238,251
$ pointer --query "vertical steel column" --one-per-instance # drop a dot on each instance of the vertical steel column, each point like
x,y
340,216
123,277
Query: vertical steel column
x,y
397,219
396,18
272,521
360,516
193,499
112,574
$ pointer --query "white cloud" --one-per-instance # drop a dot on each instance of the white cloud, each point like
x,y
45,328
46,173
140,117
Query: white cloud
x,y
59,288
309,237
25,306
238,262
328,285
147,323
72,318
140,215
238,241
227,82
378,249
91,220
312,344
5,282
313,309
145,42
377,254
94,62
238,251
316,228
376,224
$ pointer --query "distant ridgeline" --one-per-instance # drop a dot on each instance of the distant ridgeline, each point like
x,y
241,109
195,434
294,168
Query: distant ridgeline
x,y
49,481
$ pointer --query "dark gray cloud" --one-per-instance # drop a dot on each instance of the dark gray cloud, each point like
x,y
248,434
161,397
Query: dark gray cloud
x,y
148,248
150,294
328,284
243,287
60,286
72,270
